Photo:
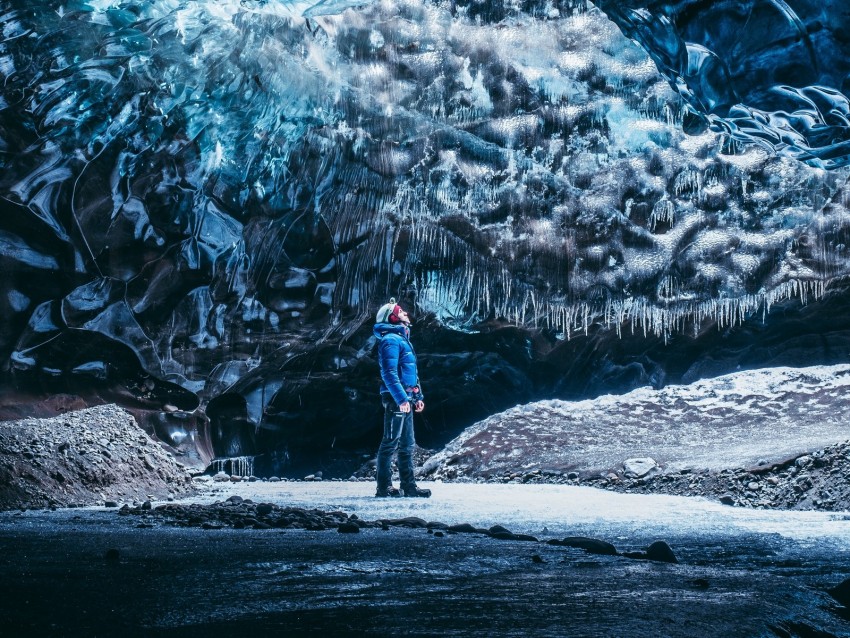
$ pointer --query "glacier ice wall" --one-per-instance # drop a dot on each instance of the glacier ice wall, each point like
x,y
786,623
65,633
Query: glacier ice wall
x,y
776,72
207,200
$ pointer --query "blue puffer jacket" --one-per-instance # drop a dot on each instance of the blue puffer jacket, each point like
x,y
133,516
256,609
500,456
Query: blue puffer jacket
x,y
398,362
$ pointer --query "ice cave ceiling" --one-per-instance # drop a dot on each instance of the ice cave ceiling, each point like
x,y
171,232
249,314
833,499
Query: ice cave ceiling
x,y
207,199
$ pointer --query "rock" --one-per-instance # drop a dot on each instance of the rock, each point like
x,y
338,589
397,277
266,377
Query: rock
x,y
727,499
235,478
221,477
536,558
753,486
841,592
496,529
591,545
264,509
409,521
573,476
463,528
110,504
274,479
508,536
235,500
348,528
661,551
504,536
146,505
438,534
640,467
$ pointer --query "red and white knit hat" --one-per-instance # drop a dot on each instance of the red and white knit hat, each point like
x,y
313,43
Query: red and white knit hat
x,y
388,313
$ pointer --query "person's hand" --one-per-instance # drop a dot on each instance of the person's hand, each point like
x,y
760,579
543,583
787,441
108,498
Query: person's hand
x,y
404,407
420,405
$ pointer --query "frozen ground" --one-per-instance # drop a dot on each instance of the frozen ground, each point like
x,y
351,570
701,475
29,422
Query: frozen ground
x,y
560,509
741,572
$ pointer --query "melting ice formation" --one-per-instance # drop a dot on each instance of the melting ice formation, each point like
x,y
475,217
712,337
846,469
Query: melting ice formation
x,y
212,196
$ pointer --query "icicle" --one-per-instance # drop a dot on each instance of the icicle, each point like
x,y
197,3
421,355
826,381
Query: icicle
x,y
234,466
688,180
663,211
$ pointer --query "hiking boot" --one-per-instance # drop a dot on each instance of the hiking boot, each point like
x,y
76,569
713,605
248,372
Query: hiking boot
x,y
387,492
413,491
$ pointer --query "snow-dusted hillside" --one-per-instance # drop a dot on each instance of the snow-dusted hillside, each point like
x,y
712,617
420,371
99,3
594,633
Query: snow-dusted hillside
x,y
736,420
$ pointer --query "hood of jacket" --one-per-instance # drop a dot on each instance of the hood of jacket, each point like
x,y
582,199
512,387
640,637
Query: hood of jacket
x,y
382,329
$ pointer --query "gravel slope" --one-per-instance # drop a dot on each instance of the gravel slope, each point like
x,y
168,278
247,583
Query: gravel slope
x,y
87,457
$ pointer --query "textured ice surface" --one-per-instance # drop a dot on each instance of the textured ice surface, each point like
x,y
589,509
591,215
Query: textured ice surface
x,y
198,197
770,71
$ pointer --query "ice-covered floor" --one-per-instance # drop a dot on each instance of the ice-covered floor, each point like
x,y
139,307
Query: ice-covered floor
x,y
559,509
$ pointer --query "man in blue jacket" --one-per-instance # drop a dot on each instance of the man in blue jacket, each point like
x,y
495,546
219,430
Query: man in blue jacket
x,y
401,394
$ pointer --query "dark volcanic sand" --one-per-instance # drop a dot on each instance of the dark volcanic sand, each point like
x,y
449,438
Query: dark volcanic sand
x,y
94,573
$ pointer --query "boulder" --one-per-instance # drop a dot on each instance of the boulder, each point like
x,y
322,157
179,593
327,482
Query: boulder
x,y
348,528
841,592
591,545
639,467
661,551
